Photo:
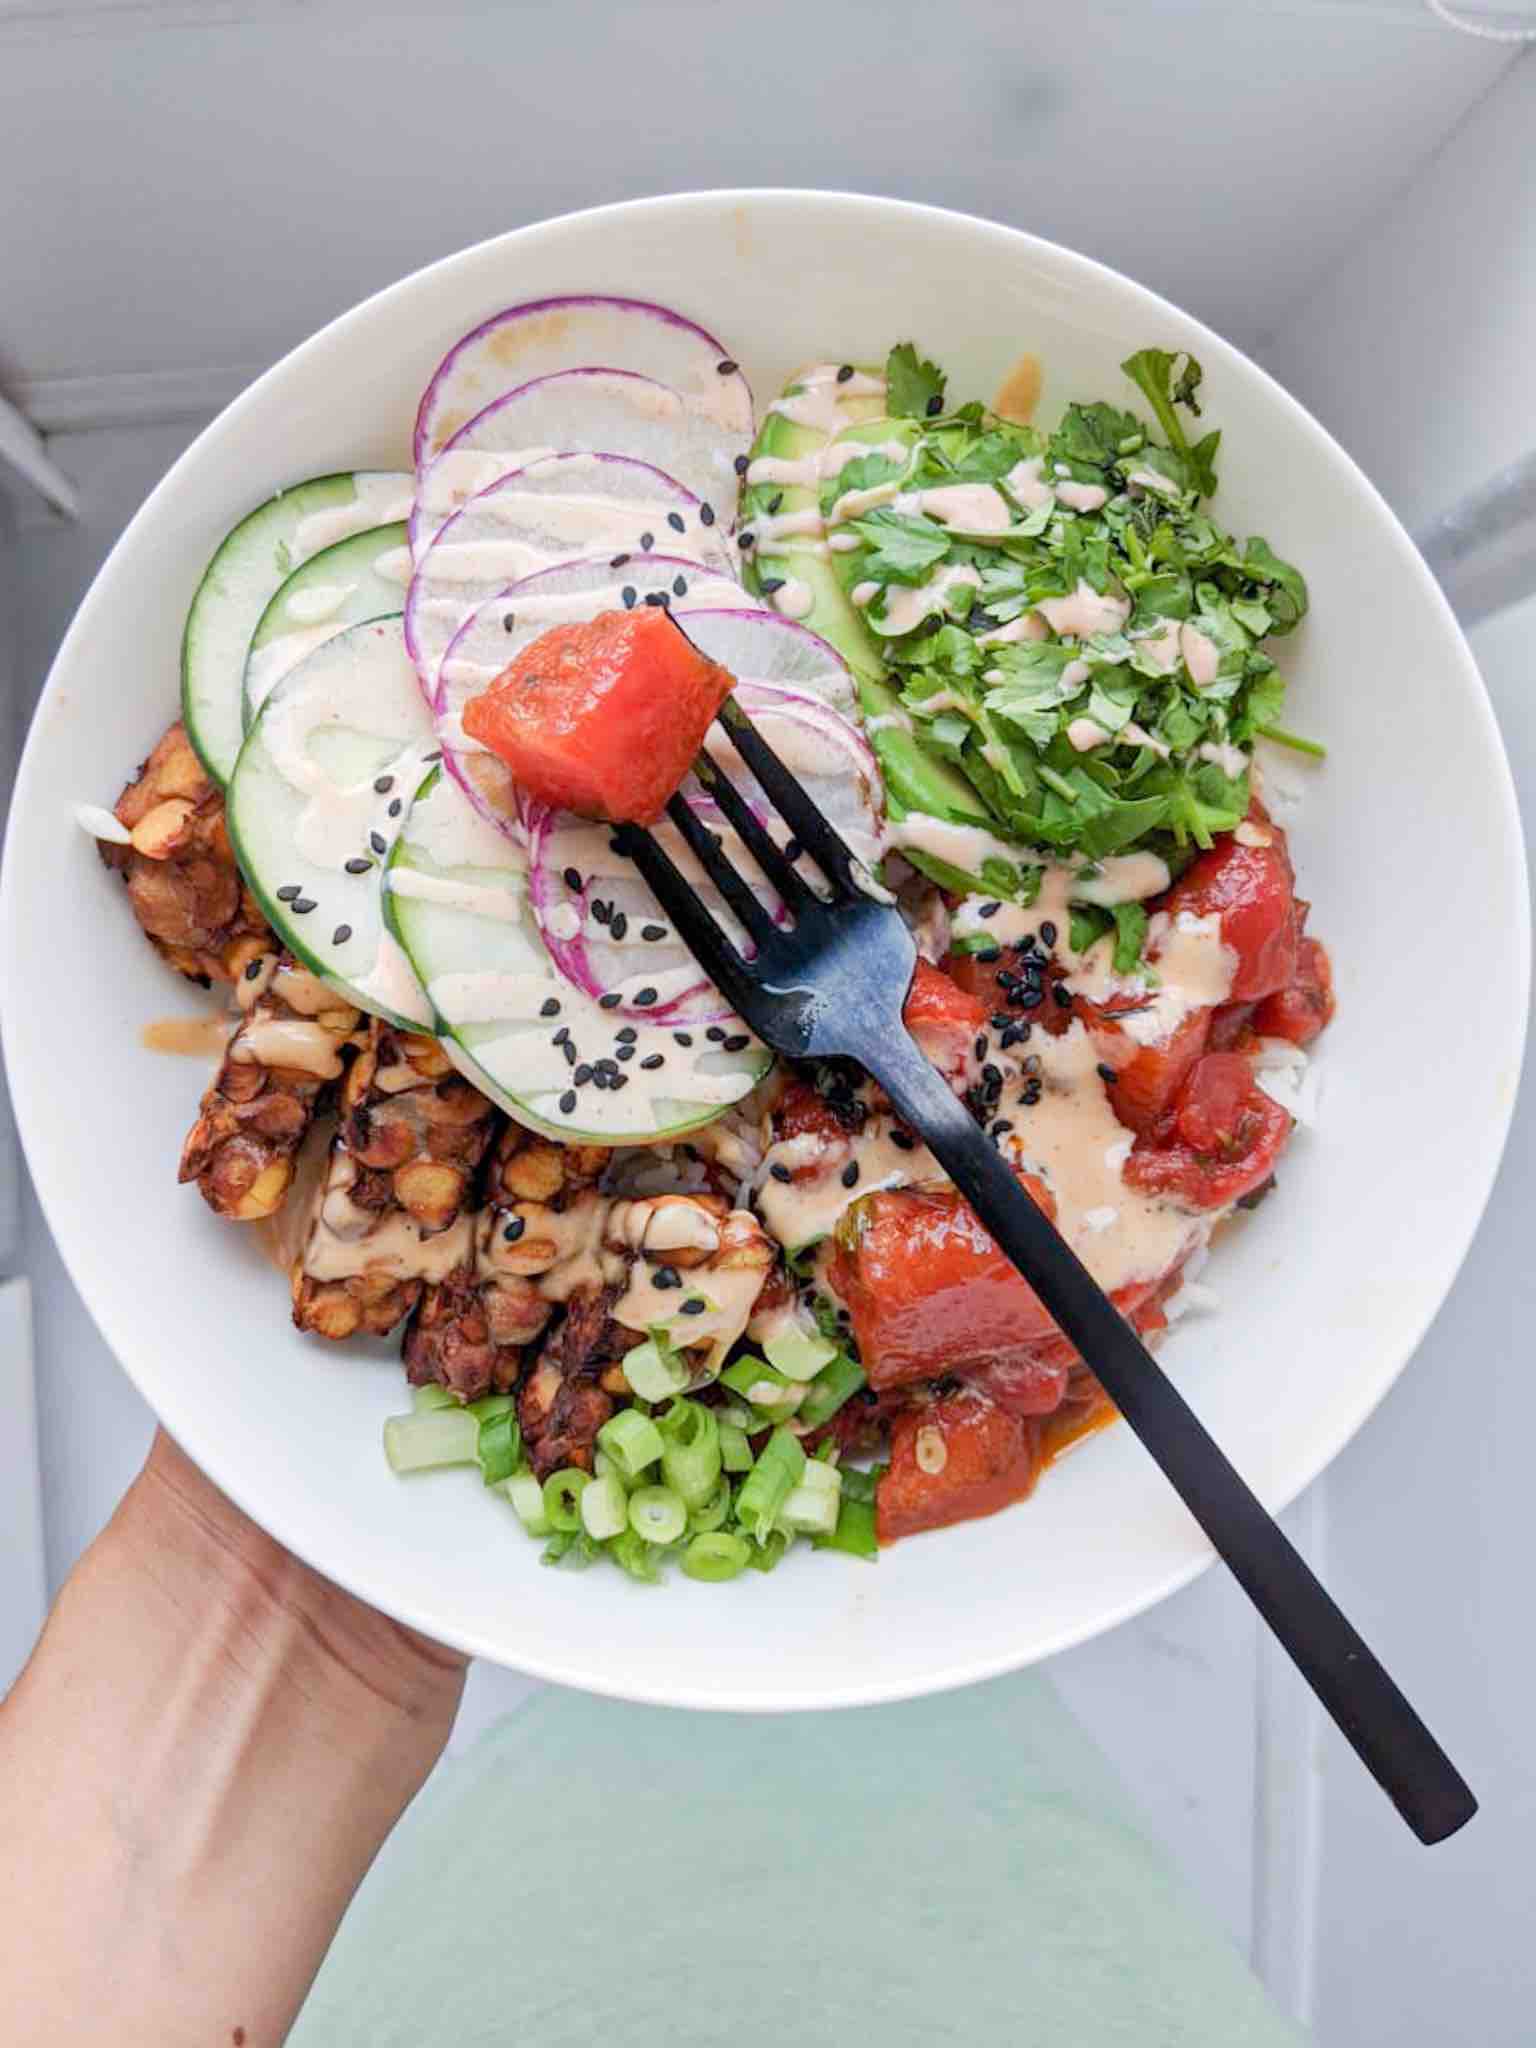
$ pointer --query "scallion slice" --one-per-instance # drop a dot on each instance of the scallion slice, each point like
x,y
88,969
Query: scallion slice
x,y
735,1451
713,1513
562,1498
716,1557
769,1485
432,1436
798,1354
527,1498
832,1386
632,1440
769,1555
432,1396
855,1531
657,1514
604,1508
690,1455
655,1373
811,1509
764,1387
633,1554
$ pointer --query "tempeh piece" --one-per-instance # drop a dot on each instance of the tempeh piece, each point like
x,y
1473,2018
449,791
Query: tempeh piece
x,y
394,1210
183,883
286,1054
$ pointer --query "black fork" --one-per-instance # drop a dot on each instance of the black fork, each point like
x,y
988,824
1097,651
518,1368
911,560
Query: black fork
x,y
832,982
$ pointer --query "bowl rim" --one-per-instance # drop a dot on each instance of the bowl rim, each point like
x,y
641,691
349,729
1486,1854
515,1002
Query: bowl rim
x,y
29,1092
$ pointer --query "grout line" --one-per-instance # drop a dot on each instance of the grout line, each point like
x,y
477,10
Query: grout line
x,y
1287,1821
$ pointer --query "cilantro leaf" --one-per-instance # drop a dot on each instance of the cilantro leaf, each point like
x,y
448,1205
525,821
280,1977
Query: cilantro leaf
x,y
1130,936
914,388
1286,587
904,546
1170,379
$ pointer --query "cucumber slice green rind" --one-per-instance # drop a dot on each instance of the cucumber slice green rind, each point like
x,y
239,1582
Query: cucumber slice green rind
x,y
352,571
342,936
252,561
443,939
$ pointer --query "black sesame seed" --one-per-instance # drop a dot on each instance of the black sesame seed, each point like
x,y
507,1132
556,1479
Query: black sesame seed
x,y
1031,1094
850,1174
668,1276
1001,1128
644,997
1048,933
629,594
359,865
288,891
992,1075
397,807
384,784
568,1101
1107,1074
604,1067
656,597
741,465
677,522
934,406
647,542
1062,994
775,502
695,1305
513,1230
619,924
601,1079
1032,1064
602,909
561,1035
706,514
989,953
378,842
582,1075
508,621
904,1141
1014,1035
653,931
715,1035
980,1047
682,1038
792,850
253,970
626,1051
303,905
746,539
619,1081
618,561
1031,998
738,1042
652,1061
680,585
1001,1021
989,909
340,936
772,583
610,1001
844,373
725,367
569,1050
435,755
781,1173
627,1035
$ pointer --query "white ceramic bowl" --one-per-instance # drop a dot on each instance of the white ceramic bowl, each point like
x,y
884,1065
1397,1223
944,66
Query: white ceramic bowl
x,y
1408,845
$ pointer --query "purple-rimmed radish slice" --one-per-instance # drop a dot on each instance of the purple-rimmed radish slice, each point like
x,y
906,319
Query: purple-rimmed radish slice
x,y
583,412
533,340
561,508
499,627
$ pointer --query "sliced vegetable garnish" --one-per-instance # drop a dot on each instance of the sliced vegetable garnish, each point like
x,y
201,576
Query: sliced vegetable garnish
x,y
365,577
778,1471
245,574
316,804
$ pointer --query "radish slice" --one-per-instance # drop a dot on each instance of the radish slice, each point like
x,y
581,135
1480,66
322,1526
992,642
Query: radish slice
x,y
498,629
526,342
585,412
761,646
561,508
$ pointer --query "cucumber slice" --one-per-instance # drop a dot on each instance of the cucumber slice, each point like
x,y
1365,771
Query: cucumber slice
x,y
361,578
245,573
457,900
316,803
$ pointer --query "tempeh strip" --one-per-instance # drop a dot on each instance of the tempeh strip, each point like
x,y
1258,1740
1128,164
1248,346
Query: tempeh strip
x,y
286,1054
394,1210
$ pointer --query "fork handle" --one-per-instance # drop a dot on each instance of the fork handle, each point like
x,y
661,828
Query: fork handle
x,y
1376,1719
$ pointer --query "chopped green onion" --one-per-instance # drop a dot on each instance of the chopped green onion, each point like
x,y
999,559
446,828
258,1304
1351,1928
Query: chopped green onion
x,y
432,1396
735,1451
562,1497
690,1457
1294,740
769,1484
769,1554
432,1436
716,1557
527,1498
714,1511
632,1440
657,1514
632,1554
859,1483
654,1373
738,1414
499,1446
604,1508
573,1547
855,1531
490,1405
764,1386
835,1384
798,1354
811,1509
